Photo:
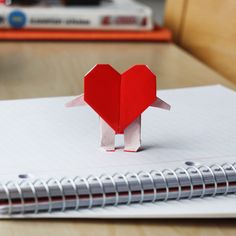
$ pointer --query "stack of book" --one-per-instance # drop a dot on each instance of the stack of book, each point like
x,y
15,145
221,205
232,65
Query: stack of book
x,y
78,20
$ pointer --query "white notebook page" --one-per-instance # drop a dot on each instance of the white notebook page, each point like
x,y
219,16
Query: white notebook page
x,y
43,138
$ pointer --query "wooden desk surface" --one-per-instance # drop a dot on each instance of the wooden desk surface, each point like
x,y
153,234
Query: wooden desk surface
x,y
56,69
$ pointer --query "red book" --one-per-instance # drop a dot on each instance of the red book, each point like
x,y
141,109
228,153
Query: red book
x,y
156,35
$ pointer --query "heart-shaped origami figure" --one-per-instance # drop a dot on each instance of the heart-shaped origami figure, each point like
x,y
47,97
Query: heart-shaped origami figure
x,y
120,99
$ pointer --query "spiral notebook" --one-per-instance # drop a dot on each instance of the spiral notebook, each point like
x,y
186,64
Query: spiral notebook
x,y
52,167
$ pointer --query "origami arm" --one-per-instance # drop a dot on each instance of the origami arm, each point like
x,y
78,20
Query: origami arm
x,y
132,133
79,101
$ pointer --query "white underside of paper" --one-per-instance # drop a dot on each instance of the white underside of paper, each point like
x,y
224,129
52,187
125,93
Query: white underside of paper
x,y
43,138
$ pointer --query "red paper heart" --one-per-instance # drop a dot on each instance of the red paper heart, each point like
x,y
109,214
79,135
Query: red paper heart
x,y
119,98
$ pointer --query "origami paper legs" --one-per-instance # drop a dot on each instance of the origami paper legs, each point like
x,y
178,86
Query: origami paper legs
x,y
132,136
107,136
132,133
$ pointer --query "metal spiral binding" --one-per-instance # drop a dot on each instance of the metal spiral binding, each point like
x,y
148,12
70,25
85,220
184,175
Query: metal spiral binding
x,y
199,171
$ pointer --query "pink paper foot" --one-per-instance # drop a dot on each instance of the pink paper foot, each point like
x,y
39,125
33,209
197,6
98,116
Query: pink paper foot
x,y
132,136
107,136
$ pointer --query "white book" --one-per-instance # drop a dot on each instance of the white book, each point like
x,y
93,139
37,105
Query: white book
x,y
116,15
42,139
